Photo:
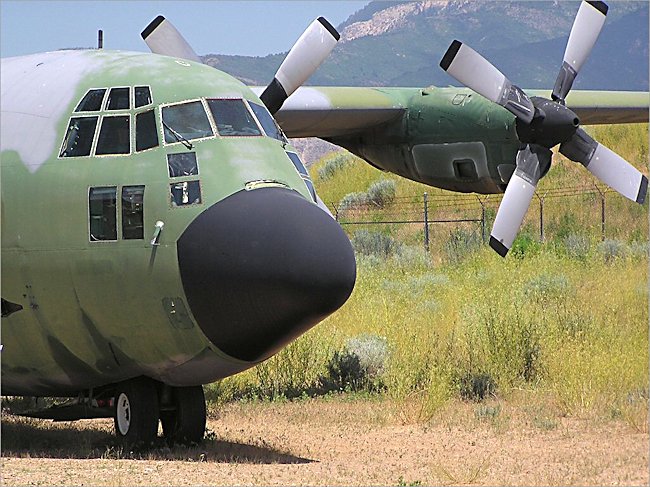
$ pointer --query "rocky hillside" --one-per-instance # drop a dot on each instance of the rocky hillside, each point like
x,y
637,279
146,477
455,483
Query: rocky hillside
x,y
401,43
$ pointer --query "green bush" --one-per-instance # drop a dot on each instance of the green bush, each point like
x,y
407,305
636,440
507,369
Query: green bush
x,y
524,244
377,244
381,193
333,165
353,201
359,366
612,249
577,246
461,244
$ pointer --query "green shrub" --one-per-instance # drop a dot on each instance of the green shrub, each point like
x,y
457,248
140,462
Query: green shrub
x,y
334,164
381,193
353,201
612,249
546,287
461,244
377,244
360,365
577,246
525,244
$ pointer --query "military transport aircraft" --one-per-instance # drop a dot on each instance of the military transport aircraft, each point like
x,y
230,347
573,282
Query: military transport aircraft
x,y
159,232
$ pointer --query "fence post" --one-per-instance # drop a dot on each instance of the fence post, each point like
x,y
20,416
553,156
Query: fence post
x,y
541,216
336,212
602,212
483,217
426,222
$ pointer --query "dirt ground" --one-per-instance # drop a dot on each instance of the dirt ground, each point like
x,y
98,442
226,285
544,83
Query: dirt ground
x,y
340,442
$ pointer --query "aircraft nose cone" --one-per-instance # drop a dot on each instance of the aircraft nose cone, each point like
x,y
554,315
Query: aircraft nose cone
x,y
262,267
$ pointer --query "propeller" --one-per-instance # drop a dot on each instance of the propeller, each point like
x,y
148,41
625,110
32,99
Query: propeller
x,y
304,58
162,38
542,124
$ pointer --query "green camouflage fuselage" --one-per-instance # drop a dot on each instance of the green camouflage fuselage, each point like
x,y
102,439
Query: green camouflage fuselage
x,y
92,310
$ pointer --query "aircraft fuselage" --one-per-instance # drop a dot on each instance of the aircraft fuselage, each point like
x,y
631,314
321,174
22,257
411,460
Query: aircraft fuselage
x,y
135,247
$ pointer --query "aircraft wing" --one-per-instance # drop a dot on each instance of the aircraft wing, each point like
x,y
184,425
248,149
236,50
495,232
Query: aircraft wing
x,y
605,107
337,111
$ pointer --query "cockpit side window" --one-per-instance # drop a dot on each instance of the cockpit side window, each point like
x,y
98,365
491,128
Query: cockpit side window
x,y
268,122
185,121
142,96
118,99
114,136
79,137
102,207
132,212
233,118
92,101
146,133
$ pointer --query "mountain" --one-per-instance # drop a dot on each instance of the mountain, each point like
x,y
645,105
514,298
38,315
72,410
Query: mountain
x,y
401,44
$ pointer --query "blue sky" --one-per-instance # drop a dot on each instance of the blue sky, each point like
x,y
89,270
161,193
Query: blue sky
x,y
225,27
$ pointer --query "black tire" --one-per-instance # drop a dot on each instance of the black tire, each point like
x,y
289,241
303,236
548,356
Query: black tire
x,y
185,423
136,412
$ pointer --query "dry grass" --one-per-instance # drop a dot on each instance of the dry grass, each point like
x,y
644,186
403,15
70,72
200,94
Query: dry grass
x,y
338,441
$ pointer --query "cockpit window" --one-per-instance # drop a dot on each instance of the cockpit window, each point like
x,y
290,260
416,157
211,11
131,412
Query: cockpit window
x,y
233,118
118,99
92,101
79,137
185,193
300,167
185,121
184,164
146,134
102,206
268,123
142,96
114,136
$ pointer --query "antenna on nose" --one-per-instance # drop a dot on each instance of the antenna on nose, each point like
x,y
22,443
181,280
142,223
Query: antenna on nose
x,y
100,39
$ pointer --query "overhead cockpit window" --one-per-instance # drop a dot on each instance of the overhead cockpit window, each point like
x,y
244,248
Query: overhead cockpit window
x,y
79,137
146,134
132,212
92,101
185,193
183,164
300,167
114,136
118,99
102,205
312,191
268,122
185,122
302,170
233,118
142,96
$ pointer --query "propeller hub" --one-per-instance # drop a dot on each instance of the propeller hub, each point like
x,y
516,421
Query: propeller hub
x,y
552,124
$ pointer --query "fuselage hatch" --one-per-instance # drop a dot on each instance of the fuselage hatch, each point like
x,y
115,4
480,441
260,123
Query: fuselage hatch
x,y
155,222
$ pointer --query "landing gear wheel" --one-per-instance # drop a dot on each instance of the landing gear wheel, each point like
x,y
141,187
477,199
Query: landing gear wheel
x,y
136,412
185,422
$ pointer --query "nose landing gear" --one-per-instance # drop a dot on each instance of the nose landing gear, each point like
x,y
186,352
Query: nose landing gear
x,y
141,403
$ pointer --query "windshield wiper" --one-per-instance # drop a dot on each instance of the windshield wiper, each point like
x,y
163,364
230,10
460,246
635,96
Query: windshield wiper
x,y
178,136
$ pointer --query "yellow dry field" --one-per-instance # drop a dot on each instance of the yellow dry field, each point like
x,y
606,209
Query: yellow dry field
x,y
341,442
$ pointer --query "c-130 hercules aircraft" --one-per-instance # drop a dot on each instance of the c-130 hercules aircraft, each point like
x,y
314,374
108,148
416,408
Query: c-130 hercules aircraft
x,y
175,237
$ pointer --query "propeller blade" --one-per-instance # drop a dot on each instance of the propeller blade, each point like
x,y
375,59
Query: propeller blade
x,y
304,58
586,29
474,71
518,196
162,38
607,166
